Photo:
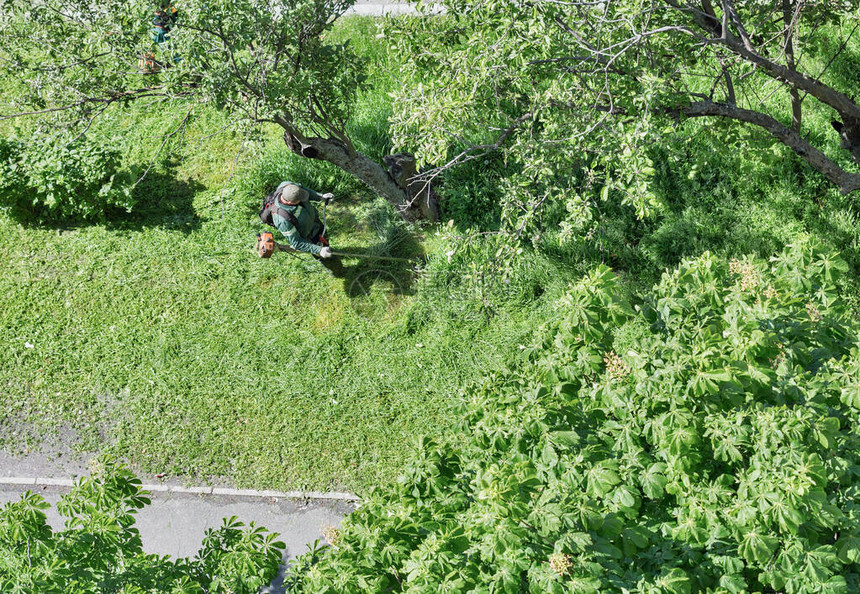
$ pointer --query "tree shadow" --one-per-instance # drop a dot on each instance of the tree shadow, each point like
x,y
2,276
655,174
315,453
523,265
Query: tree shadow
x,y
371,267
471,195
391,263
162,200
713,201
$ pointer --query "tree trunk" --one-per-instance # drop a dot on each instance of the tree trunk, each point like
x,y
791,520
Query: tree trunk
x,y
849,136
796,108
363,168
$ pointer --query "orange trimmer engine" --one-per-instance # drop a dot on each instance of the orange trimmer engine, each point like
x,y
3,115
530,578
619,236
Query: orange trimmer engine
x,y
265,245
148,64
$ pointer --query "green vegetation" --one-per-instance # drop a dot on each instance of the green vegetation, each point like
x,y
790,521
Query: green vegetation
x,y
64,178
100,550
705,440
584,419
160,337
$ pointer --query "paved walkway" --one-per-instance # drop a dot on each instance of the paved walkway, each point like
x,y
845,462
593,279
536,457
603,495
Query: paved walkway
x,y
381,7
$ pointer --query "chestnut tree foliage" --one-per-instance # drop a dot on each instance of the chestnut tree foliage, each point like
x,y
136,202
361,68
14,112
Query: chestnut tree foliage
x,y
261,61
703,440
572,91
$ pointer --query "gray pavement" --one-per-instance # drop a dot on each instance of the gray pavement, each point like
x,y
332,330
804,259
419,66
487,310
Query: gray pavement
x,y
174,524
381,8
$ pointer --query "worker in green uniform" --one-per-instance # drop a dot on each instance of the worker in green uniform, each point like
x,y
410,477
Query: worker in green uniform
x,y
298,220
163,21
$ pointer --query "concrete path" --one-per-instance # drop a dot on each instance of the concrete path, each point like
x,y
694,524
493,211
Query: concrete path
x,y
381,7
174,523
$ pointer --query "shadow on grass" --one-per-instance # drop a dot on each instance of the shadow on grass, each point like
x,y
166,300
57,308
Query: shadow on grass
x,y
390,265
160,199
370,267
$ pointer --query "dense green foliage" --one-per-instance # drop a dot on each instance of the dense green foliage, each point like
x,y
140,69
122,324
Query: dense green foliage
x,y
704,439
63,178
589,97
255,62
100,550
702,436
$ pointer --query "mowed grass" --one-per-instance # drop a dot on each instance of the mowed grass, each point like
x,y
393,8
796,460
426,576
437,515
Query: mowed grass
x,y
161,337
166,340
186,354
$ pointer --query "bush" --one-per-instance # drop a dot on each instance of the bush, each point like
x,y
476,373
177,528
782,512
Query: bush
x,y
56,179
100,550
705,440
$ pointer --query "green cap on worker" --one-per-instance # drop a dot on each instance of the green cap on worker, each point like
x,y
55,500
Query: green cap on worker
x,y
290,193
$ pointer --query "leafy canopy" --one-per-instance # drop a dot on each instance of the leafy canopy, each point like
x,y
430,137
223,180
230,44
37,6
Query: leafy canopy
x,y
703,440
258,60
575,93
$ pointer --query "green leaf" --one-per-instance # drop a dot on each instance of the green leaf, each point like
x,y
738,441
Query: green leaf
x,y
850,395
565,438
757,548
623,497
674,582
601,479
733,583
848,548
653,482
637,535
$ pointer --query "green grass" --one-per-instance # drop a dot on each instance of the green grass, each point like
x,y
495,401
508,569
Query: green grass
x,y
183,352
161,337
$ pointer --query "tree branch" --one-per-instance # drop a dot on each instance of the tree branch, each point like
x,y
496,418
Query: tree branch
x,y
846,181
473,152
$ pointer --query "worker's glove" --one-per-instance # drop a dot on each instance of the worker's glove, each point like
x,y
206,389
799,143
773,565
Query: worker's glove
x,y
326,252
327,197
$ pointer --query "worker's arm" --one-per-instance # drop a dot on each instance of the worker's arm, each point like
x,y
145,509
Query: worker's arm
x,y
312,194
316,196
297,242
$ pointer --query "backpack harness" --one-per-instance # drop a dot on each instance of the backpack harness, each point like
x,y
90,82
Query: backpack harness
x,y
271,206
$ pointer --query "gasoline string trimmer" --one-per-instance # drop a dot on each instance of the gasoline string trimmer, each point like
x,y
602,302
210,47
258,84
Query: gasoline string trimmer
x,y
266,246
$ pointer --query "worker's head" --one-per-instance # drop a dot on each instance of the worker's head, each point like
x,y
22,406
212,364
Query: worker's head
x,y
292,194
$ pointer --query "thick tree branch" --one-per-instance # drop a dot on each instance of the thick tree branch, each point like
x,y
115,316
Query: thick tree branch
x,y
729,9
743,48
846,181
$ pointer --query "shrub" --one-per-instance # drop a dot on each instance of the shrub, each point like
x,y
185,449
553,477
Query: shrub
x,y
100,550
57,179
705,440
